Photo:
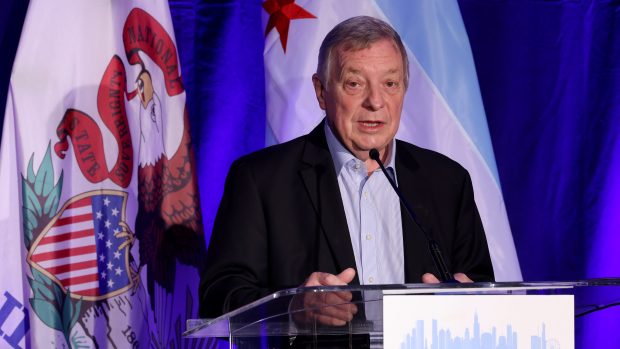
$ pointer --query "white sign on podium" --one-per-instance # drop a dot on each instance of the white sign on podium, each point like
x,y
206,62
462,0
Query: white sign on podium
x,y
478,321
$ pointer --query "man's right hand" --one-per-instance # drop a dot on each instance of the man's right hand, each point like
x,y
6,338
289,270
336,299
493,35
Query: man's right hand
x,y
327,308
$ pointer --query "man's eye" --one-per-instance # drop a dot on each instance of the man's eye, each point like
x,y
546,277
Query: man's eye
x,y
392,84
353,84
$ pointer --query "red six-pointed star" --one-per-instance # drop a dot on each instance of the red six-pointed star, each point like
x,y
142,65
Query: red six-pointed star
x,y
281,13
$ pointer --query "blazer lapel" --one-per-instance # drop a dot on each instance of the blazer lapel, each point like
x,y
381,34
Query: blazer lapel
x,y
319,178
412,184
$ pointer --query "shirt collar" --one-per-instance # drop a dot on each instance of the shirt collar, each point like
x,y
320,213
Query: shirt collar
x,y
341,155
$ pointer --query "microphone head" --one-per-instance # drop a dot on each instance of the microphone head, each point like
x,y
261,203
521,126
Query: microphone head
x,y
374,154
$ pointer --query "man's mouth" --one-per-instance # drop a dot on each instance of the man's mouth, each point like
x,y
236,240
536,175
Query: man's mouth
x,y
371,124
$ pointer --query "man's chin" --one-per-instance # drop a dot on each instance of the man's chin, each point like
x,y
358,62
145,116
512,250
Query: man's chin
x,y
362,152
367,146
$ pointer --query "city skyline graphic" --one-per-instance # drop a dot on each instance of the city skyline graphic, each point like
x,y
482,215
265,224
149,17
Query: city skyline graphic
x,y
475,338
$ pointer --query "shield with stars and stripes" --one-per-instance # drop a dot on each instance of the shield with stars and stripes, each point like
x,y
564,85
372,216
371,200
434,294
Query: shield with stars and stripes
x,y
85,247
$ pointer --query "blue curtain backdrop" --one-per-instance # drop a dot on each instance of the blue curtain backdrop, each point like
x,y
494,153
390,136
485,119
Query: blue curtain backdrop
x,y
221,48
549,73
550,78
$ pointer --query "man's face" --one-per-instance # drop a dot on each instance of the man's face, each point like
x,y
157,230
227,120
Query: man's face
x,y
363,98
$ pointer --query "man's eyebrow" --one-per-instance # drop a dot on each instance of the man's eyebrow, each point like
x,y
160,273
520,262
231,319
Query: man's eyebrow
x,y
354,71
349,70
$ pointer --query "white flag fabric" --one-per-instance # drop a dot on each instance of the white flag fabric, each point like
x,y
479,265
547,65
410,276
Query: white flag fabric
x,y
99,215
443,109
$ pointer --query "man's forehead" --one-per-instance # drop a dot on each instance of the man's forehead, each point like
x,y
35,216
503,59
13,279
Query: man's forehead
x,y
351,47
348,60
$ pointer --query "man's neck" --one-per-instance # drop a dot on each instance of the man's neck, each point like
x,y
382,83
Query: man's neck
x,y
372,165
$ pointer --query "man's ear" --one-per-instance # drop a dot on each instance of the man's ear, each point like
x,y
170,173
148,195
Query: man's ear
x,y
319,90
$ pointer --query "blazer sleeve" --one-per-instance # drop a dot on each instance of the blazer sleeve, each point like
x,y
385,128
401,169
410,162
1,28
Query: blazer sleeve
x,y
236,267
470,251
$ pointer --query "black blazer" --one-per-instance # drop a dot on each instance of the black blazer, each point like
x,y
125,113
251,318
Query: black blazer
x,y
281,218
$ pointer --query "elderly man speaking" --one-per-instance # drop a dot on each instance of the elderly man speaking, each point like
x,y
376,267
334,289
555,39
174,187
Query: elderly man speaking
x,y
318,211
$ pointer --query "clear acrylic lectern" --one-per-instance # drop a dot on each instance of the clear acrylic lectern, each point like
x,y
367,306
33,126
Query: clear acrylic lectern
x,y
287,317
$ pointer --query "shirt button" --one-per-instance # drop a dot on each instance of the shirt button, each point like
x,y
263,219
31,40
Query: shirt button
x,y
365,194
368,236
356,166
371,279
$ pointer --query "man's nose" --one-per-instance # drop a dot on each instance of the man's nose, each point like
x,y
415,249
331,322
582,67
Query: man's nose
x,y
374,98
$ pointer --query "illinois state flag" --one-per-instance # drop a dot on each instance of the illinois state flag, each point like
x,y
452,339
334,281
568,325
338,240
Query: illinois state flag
x,y
443,109
100,230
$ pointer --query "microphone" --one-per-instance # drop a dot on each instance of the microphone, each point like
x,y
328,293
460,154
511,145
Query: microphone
x,y
433,246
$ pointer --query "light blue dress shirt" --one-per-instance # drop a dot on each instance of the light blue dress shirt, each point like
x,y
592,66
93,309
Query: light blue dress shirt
x,y
373,215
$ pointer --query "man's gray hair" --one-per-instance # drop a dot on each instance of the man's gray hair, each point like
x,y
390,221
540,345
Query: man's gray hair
x,y
354,34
